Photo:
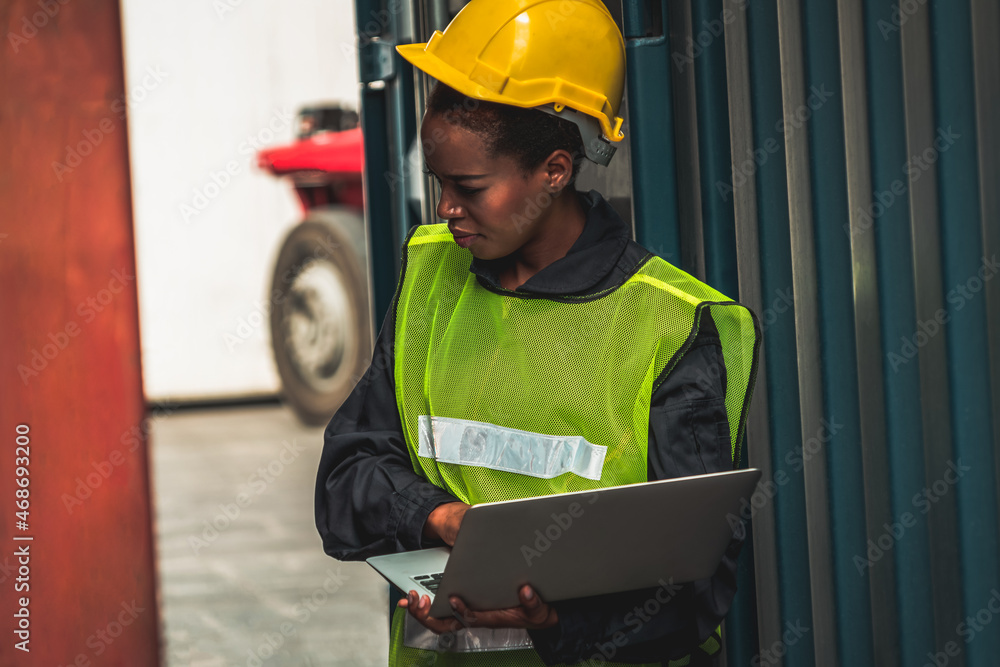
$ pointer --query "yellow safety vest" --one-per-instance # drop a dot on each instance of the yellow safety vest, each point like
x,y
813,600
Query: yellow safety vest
x,y
511,395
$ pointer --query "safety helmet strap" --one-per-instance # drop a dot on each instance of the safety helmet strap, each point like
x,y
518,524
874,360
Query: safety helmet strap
x,y
596,147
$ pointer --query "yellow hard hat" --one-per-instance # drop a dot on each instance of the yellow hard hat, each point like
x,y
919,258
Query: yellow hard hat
x,y
557,55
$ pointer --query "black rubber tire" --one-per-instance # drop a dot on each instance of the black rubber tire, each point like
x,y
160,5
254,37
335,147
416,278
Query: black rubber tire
x,y
328,248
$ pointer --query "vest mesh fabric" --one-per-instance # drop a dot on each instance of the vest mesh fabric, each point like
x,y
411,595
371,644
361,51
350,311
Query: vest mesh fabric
x,y
565,366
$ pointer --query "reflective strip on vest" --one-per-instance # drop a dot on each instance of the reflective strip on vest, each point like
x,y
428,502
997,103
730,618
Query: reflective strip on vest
x,y
465,640
403,655
470,443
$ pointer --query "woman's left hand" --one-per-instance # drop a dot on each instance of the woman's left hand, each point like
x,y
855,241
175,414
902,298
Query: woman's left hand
x,y
533,614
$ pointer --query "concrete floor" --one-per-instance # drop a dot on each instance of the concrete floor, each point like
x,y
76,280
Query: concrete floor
x,y
243,576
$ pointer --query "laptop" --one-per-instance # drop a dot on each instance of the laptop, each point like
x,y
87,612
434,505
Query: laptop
x,y
579,544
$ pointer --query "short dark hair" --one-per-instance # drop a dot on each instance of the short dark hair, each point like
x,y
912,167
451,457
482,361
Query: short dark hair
x,y
526,135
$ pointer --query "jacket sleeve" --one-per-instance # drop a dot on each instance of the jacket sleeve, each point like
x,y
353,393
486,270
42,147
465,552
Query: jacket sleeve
x,y
369,501
688,435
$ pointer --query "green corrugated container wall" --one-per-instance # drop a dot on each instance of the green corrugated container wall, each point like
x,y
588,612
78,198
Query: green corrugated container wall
x,y
836,167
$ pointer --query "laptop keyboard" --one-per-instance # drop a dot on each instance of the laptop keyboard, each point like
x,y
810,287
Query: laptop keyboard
x,y
429,581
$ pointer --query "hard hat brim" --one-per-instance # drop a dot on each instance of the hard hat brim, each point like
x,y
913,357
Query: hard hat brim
x,y
418,56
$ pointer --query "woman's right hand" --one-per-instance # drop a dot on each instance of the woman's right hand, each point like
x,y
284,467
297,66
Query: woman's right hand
x,y
444,521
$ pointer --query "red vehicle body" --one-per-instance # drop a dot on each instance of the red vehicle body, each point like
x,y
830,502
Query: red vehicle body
x,y
326,168
321,331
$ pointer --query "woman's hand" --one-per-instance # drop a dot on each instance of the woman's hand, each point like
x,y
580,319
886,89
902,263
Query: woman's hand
x,y
533,614
444,521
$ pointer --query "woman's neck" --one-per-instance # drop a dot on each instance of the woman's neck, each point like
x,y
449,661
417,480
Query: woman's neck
x,y
556,231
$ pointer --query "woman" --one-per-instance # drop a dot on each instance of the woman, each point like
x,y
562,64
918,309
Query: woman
x,y
531,309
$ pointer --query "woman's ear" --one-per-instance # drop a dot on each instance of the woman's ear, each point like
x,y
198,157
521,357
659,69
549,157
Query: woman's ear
x,y
558,170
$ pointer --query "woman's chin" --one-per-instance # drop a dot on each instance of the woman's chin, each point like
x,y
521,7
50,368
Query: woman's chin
x,y
482,251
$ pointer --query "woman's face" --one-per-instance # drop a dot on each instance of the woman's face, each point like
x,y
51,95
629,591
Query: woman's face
x,y
492,207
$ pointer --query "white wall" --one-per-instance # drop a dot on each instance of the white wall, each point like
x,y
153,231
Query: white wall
x,y
207,79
